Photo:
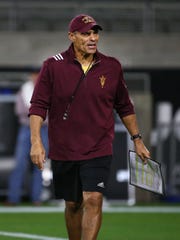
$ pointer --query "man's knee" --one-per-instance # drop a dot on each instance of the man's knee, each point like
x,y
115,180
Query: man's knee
x,y
92,199
73,207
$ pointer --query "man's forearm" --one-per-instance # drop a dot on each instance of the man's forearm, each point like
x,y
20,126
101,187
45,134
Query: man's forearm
x,y
130,122
37,152
35,127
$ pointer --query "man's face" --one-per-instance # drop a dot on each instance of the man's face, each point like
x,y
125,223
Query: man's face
x,y
85,43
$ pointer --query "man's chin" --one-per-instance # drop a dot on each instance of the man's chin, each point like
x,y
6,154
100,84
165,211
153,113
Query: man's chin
x,y
91,51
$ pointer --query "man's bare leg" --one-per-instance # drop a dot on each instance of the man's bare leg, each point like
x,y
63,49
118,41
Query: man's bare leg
x,y
73,216
92,215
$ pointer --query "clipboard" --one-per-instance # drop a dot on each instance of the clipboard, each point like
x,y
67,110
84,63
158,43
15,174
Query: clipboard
x,y
146,176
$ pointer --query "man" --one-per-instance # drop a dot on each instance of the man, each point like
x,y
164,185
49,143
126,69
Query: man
x,y
23,145
79,89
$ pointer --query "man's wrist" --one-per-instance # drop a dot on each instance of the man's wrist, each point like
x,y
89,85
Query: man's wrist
x,y
136,136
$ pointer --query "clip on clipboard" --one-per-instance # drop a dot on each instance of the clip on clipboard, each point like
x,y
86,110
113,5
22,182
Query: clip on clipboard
x,y
147,176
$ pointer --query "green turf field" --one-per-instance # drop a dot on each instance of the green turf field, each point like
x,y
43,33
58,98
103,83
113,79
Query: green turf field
x,y
116,226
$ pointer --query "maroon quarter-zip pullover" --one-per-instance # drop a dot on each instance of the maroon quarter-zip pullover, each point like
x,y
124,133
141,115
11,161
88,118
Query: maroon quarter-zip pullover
x,y
89,130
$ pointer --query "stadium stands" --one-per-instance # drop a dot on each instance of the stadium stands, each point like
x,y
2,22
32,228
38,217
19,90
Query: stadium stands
x,y
119,16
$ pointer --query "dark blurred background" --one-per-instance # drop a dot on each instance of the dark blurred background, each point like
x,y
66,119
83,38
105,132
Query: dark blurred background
x,y
144,36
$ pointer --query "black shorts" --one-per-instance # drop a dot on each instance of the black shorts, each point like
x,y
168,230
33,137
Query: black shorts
x,y
71,178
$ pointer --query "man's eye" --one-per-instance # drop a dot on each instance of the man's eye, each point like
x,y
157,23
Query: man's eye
x,y
85,34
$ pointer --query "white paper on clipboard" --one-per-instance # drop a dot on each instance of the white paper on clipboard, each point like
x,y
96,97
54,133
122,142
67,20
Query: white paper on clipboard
x,y
147,176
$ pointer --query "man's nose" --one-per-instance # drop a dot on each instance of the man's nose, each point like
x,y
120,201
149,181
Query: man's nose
x,y
93,36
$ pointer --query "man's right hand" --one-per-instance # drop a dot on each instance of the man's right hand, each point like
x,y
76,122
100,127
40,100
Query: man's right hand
x,y
38,154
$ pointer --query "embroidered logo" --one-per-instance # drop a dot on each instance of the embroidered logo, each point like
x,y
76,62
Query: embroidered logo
x,y
87,19
102,81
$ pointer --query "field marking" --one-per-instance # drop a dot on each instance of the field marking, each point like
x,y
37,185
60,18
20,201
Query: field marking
x,y
28,236
128,209
143,210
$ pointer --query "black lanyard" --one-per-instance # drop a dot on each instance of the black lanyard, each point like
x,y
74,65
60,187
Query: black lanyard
x,y
66,113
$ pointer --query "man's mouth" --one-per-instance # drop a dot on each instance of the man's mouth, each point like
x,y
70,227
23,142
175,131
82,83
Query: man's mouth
x,y
91,45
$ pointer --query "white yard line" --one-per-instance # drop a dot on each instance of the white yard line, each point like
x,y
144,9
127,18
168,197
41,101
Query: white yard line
x,y
19,209
130,209
28,236
142,209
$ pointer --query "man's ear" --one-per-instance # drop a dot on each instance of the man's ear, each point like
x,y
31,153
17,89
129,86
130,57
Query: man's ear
x,y
71,36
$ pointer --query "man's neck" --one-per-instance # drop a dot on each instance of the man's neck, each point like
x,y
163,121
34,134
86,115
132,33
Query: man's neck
x,y
85,59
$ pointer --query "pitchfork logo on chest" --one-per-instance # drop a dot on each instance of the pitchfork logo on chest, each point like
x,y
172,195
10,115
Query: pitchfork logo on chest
x,y
102,81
